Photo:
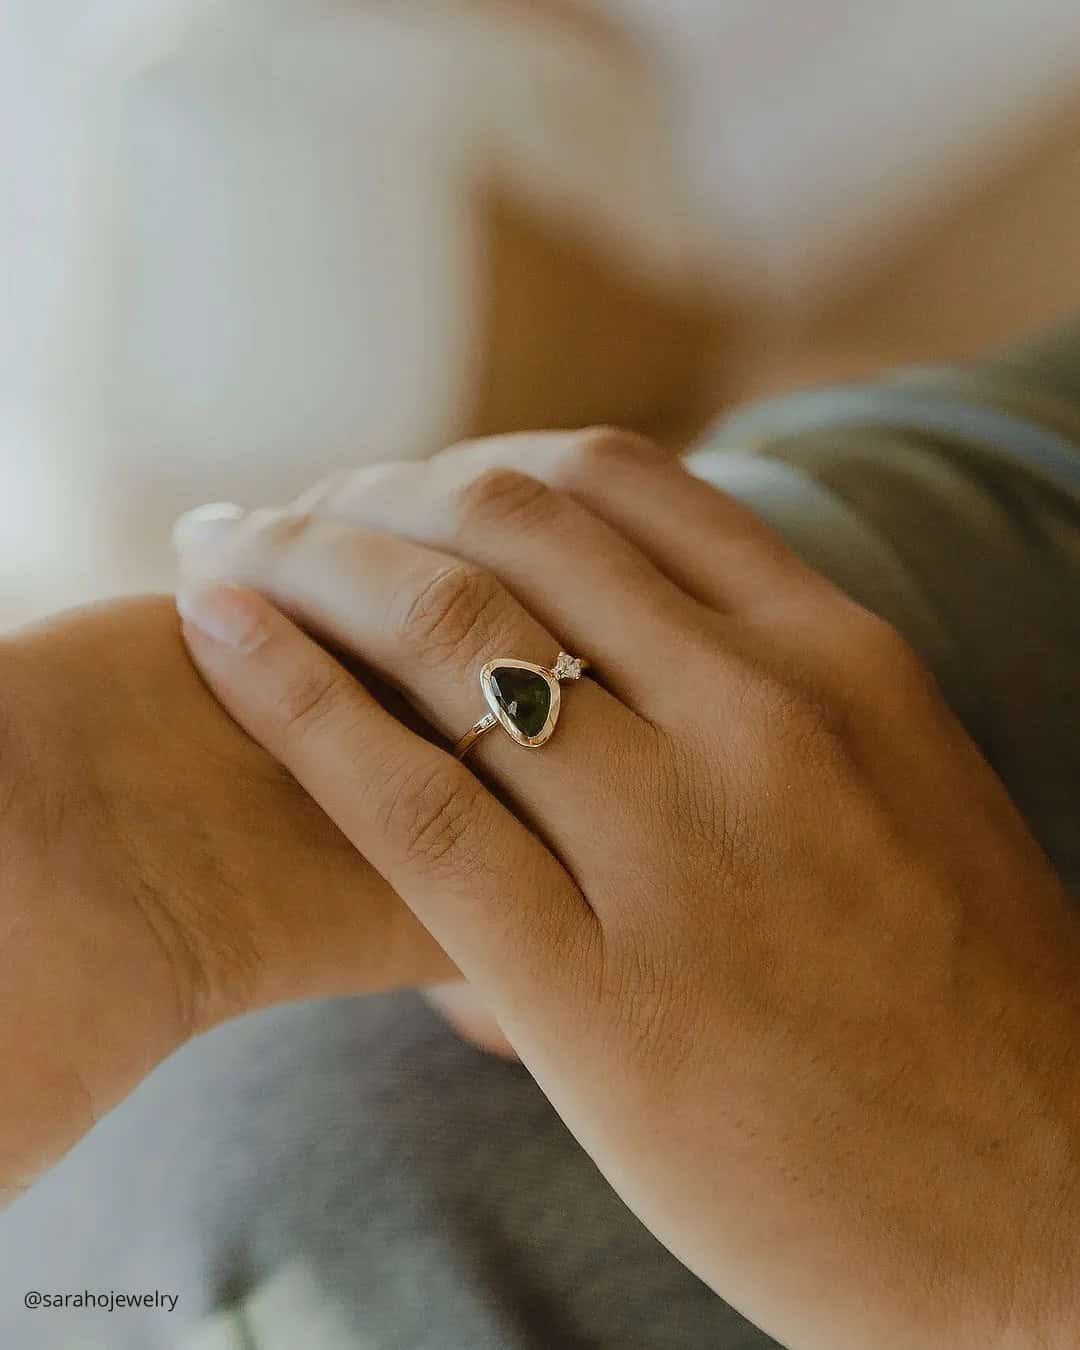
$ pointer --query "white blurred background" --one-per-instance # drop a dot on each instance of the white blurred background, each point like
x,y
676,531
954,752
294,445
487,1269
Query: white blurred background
x,y
245,241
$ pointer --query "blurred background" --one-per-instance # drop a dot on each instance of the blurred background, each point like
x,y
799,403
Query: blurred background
x,y
246,241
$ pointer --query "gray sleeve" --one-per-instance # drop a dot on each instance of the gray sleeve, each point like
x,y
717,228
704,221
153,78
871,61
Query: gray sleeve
x,y
948,501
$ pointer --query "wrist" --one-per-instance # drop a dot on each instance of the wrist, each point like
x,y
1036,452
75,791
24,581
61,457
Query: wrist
x,y
1037,1252
253,895
94,995
1046,1314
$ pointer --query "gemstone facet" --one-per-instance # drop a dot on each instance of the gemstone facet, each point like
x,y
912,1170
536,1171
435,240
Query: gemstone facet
x,y
524,696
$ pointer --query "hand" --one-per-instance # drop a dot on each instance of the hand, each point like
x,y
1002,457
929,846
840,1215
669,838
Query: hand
x,y
758,917
160,873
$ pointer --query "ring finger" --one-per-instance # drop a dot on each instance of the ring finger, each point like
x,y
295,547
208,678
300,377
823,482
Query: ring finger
x,y
427,623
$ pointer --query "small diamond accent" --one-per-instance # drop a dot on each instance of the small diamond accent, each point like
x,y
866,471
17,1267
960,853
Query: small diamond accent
x,y
568,667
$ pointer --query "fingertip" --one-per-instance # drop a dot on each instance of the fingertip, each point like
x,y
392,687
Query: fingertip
x,y
205,525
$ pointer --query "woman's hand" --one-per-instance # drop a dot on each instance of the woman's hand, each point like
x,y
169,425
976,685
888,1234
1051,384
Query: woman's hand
x,y
759,917
159,873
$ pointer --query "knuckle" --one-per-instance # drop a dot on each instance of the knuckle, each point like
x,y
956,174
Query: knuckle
x,y
309,703
371,483
889,669
280,531
433,813
594,453
452,614
893,650
807,726
324,491
502,497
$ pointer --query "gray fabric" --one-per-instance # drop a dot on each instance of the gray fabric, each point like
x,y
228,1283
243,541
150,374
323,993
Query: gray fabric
x,y
349,1174
922,410
420,1195
987,537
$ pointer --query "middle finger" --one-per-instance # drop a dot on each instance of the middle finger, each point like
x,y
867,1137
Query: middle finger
x,y
571,569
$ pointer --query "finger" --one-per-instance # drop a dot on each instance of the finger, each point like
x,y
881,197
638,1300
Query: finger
x,y
567,566
427,623
498,902
711,546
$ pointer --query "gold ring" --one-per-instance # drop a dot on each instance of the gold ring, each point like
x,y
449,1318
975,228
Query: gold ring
x,y
523,699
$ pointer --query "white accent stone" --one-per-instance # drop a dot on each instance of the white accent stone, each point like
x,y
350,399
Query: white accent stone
x,y
567,667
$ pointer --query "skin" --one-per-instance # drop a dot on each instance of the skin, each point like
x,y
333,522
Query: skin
x,y
759,918
160,873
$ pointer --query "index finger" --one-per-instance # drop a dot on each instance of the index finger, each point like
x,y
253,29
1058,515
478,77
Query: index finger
x,y
500,904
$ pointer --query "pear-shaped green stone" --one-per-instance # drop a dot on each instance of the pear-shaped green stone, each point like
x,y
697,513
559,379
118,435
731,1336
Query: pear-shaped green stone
x,y
524,696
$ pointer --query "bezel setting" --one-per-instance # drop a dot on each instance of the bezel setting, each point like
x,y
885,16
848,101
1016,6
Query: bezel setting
x,y
491,698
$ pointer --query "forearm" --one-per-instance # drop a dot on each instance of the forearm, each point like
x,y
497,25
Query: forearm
x,y
200,816
68,933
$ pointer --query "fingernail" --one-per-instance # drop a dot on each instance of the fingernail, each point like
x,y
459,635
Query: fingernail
x,y
227,614
205,524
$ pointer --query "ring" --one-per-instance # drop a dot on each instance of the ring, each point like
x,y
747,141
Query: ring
x,y
524,700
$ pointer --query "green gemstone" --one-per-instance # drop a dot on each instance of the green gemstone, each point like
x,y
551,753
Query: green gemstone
x,y
524,696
